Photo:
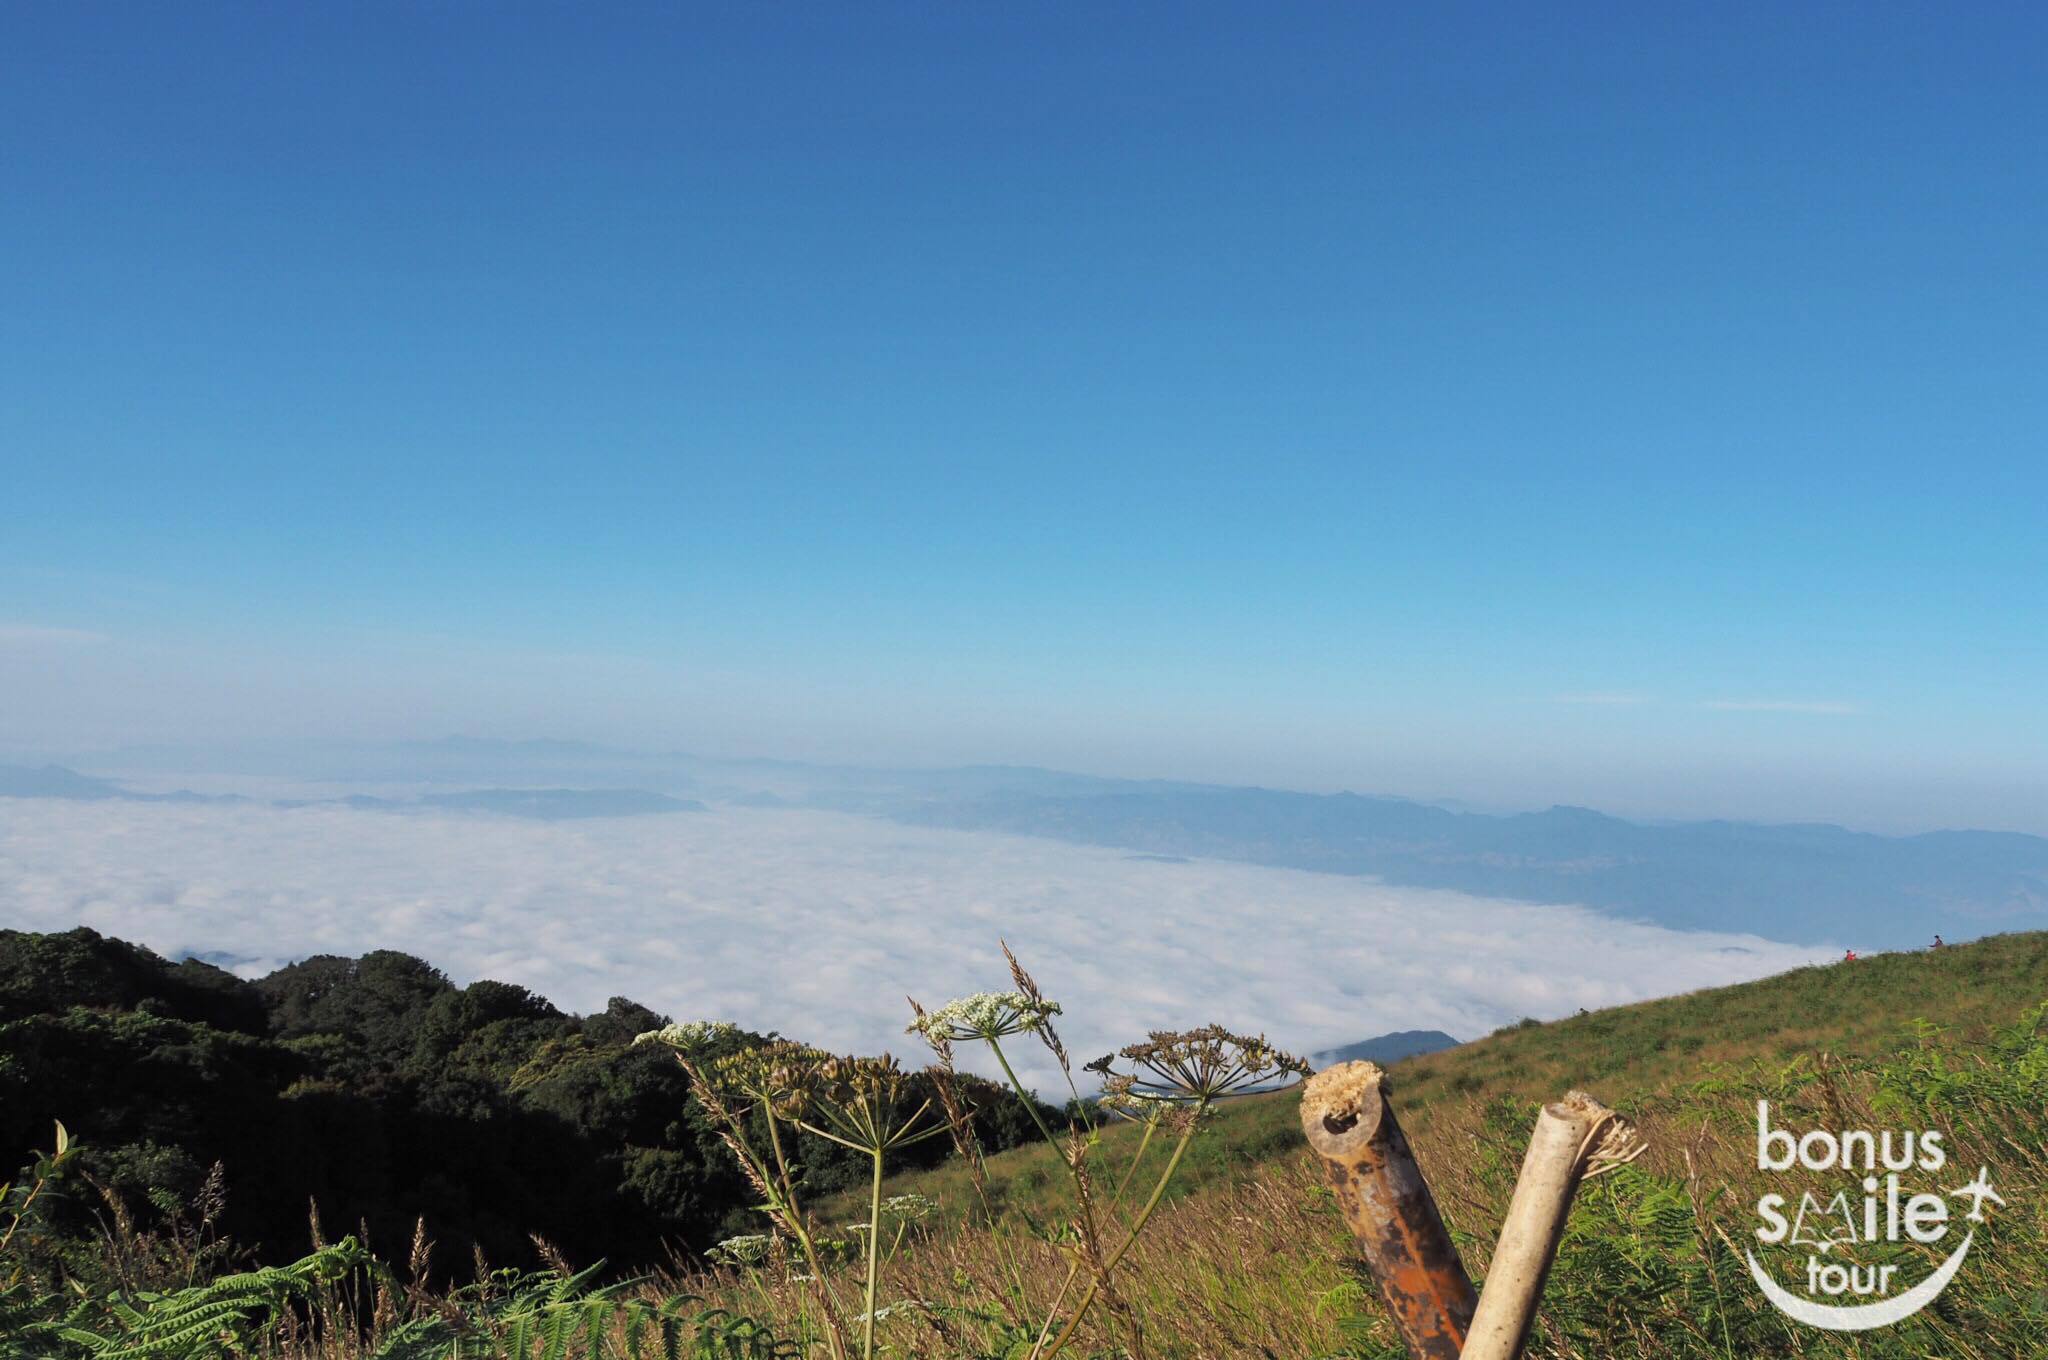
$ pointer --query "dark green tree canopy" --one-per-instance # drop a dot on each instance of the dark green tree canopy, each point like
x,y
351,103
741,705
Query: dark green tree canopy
x,y
47,974
379,999
381,1091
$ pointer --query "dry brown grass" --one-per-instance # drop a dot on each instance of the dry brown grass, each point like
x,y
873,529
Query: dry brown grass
x,y
1256,1260
1264,1267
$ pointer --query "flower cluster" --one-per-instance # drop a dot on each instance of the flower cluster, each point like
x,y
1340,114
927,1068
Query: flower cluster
x,y
911,1208
749,1249
861,1102
783,1075
862,1083
1197,1065
985,1015
690,1036
1128,1104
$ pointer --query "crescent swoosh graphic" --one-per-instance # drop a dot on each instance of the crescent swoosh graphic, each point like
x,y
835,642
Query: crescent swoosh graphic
x,y
1861,1317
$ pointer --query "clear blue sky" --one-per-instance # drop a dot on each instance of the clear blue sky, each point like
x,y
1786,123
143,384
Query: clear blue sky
x,y
1639,405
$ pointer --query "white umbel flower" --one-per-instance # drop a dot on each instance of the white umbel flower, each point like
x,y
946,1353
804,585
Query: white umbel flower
x,y
985,1015
689,1036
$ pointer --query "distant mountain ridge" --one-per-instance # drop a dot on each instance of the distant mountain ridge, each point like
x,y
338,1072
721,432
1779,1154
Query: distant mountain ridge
x,y
52,781
1809,883
1387,1049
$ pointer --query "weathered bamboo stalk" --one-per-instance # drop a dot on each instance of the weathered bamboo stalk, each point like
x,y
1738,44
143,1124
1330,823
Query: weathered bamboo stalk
x,y
1351,1127
1575,1137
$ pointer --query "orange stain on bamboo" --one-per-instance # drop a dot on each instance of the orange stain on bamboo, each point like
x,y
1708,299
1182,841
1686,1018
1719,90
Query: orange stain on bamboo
x,y
1365,1156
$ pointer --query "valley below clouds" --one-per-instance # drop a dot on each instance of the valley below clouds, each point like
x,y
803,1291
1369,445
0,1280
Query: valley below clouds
x,y
817,924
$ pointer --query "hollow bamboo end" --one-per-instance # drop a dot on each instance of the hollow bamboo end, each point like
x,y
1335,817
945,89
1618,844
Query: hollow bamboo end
x,y
1342,1107
1575,1137
1578,1109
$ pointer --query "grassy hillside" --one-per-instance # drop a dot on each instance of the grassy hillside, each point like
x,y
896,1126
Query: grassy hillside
x,y
1847,1011
1252,1259
1244,1253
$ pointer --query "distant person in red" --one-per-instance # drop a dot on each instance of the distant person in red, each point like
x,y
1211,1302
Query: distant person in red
x,y
1937,942
1849,956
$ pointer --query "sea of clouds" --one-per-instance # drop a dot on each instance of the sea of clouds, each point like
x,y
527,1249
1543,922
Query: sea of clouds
x,y
818,924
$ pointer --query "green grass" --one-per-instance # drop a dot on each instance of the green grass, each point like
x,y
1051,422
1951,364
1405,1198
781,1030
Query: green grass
x,y
1252,1258
1847,1010
1244,1135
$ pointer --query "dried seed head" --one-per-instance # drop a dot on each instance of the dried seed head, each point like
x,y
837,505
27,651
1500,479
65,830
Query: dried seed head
x,y
784,1076
873,1084
1047,1035
212,1199
422,1251
1197,1065
871,1103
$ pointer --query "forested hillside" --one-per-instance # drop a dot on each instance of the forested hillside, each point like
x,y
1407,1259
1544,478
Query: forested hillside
x,y
378,1092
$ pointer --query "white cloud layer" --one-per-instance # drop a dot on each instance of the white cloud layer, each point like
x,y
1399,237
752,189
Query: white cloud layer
x,y
817,924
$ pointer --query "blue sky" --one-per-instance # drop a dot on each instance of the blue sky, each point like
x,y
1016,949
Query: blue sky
x,y
1604,404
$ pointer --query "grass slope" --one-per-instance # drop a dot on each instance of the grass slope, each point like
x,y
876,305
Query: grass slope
x,y
1254,1260
1845,1010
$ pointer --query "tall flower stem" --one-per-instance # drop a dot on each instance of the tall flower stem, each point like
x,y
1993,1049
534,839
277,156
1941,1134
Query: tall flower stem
x,y
1138,1226
794,1219
867,1341
1030,1102
1073,1172
1052,1314
1138,1157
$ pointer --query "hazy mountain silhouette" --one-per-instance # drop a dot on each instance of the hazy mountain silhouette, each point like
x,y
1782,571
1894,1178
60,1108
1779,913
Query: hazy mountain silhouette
x,y
54,781
1809,883
1388,1048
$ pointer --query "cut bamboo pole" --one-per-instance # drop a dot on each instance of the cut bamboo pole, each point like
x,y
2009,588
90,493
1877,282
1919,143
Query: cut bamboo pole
x,y
1574,1138
1351,1127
